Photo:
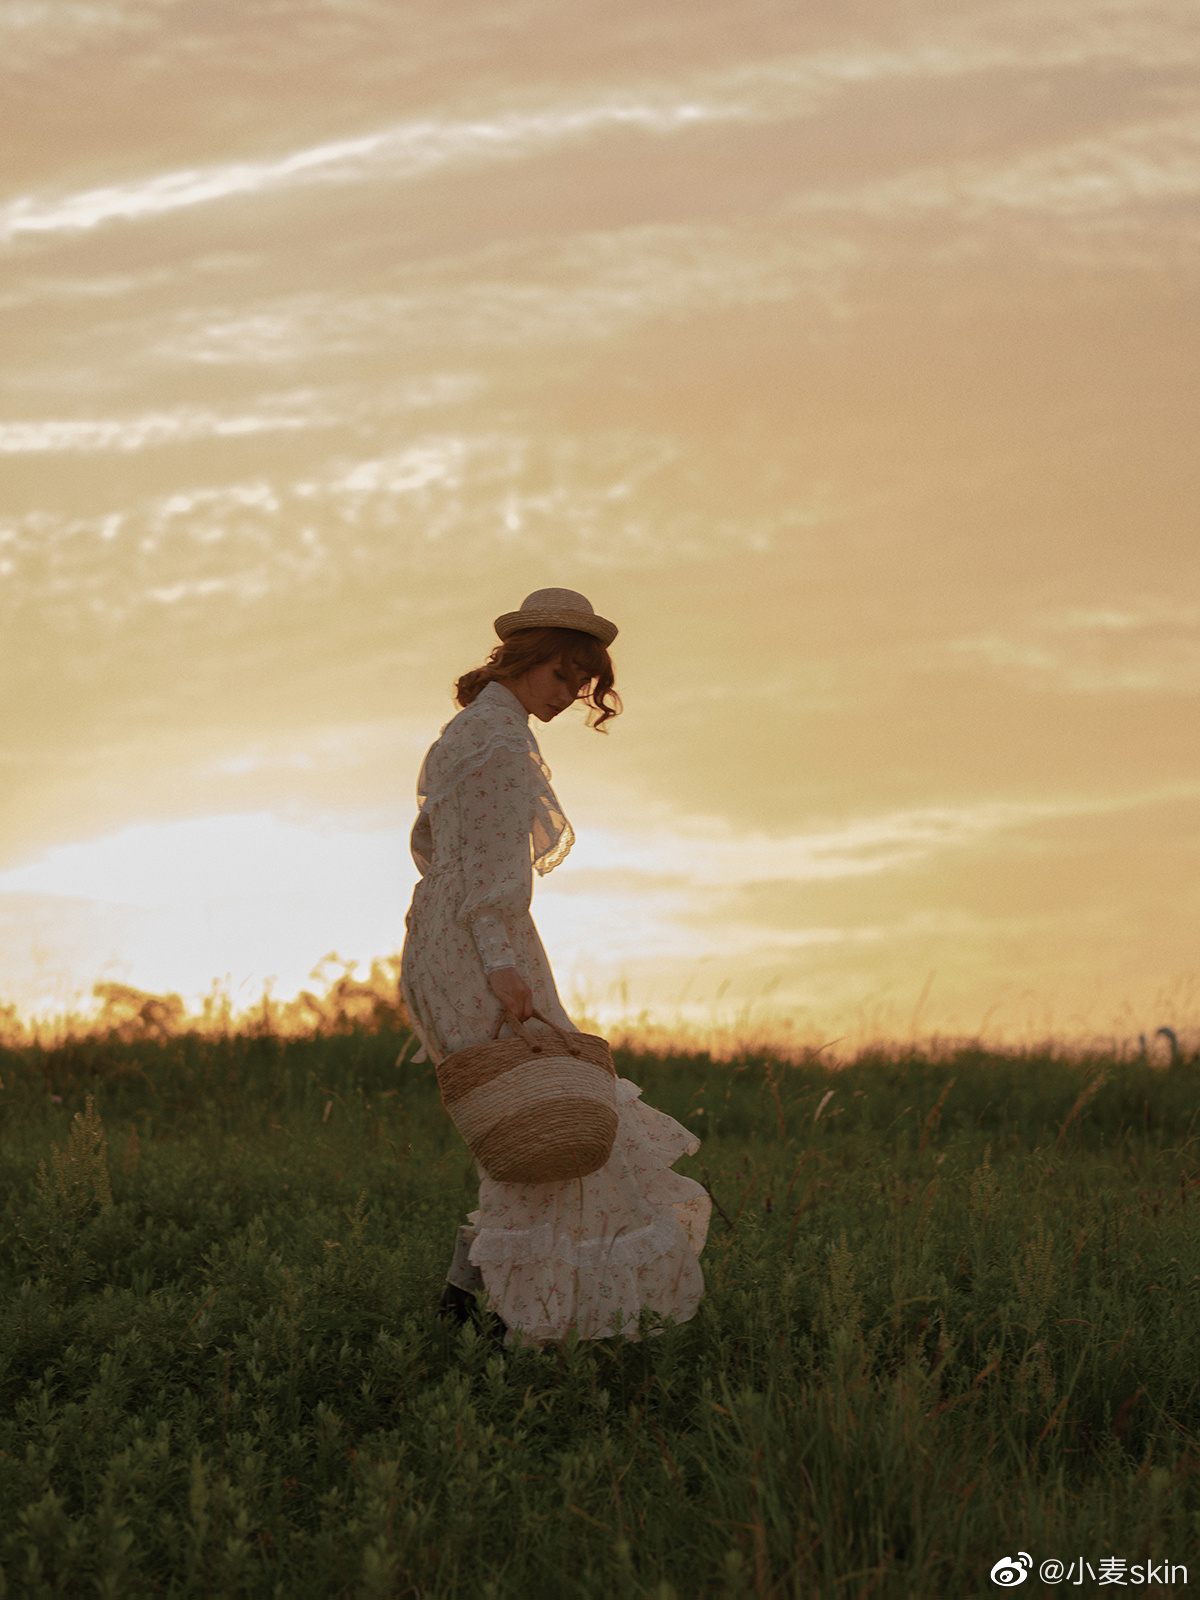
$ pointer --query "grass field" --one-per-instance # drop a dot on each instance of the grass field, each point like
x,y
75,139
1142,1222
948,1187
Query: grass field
x,y
952,1314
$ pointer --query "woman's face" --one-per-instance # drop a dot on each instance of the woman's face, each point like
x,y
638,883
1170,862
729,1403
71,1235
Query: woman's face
x,y
546,690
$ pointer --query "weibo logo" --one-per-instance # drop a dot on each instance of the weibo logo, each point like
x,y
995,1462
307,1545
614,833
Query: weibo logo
x,y
1009,1573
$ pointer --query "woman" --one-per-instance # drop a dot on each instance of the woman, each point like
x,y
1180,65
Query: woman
x,y
592,1253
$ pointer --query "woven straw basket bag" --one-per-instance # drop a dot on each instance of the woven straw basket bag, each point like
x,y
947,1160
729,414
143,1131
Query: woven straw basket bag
x,y
532,1109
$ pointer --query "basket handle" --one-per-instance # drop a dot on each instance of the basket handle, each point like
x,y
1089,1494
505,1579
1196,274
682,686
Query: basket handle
x,y
571,1049
518,1027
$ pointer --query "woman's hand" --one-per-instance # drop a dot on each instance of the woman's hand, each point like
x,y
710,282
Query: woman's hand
x,y
512,991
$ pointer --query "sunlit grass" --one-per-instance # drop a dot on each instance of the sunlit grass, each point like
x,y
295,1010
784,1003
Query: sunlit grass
x,y
951,1313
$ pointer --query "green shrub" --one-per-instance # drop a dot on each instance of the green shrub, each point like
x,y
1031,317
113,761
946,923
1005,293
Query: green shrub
x,y
951,1314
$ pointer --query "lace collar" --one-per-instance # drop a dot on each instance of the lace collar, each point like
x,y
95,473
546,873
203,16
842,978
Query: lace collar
x,y
500,696
496,720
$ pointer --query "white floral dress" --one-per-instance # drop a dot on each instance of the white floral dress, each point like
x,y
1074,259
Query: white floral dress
x,y
592,1253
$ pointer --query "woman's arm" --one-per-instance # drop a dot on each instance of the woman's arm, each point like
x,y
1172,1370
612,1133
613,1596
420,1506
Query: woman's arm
x,y
512,991
497,867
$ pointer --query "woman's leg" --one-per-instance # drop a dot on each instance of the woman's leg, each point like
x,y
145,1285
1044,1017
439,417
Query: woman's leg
x,y
464,1282
463,1273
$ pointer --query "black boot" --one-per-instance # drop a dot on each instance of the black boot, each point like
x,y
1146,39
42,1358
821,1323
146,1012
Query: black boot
x,y
458,1306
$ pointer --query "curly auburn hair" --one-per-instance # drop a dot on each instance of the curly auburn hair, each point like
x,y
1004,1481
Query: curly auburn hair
x,y
531,647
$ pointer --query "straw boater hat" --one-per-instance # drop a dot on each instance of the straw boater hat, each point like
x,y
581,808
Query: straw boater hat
x,y
556,608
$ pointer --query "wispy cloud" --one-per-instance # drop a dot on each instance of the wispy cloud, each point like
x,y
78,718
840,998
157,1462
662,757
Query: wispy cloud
x,y
287,413
592,286
174,905
199,860
390,515
409,150
655,905
707,854
647,898
1148,162
1012,40
1153,648
63,23
136,433
598,284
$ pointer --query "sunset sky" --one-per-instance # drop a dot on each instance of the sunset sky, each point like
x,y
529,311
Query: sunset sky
x,y
846,355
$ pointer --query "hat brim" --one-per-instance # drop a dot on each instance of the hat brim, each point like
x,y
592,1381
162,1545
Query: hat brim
x,y
551,617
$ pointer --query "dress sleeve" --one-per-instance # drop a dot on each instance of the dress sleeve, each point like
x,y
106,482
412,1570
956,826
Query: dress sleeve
x,y
494,807
420,843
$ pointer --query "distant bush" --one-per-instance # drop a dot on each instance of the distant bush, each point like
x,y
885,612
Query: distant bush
x,y
130,1014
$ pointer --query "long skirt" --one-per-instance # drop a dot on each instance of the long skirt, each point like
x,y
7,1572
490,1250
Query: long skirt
x,y
590,1254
